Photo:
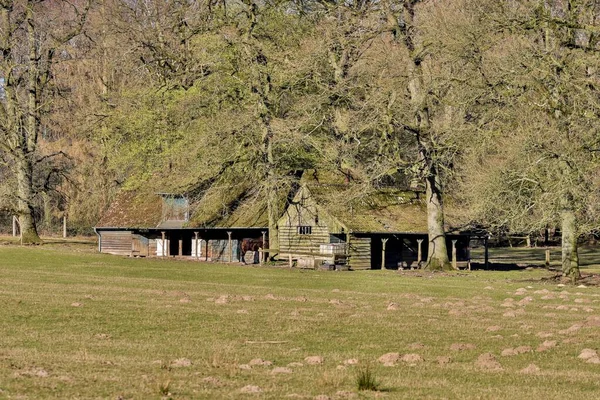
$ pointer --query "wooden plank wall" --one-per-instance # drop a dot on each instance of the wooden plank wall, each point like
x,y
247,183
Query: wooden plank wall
x,y
360,252
139,246
290,242
116,242
218,250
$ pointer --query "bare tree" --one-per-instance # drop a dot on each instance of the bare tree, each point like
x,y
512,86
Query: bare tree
x,y
33,36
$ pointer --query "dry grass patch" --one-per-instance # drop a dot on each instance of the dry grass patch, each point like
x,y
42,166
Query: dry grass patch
x,y
153,328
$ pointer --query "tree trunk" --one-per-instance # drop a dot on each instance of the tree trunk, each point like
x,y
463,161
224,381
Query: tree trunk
x,y
272,209
570,256
437,257
29,234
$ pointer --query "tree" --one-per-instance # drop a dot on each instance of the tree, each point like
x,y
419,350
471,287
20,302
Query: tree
x,y
33,36
541,171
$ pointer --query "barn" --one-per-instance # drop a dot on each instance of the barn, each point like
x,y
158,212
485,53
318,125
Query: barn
x,y
168,224
386,228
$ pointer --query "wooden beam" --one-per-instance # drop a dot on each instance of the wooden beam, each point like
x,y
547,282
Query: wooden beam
x,y
230,246
419,252
383,243
164,244
454,265
264,241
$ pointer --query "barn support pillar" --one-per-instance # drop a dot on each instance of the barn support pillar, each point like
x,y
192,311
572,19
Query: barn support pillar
x,y
164,244
454,264
383,243
230,246
264,241
486,252
206,253
180,252
196,247
419,252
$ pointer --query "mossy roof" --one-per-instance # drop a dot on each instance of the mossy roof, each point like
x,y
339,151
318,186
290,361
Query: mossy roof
x,y
377,211
132,209
230,206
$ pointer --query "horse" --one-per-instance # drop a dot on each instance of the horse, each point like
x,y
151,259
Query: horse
x,y
253,244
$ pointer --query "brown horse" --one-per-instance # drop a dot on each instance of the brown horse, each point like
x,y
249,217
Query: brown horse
x,y
253,244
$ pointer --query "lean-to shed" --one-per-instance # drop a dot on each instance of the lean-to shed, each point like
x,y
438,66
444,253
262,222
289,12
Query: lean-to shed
x,y
164,224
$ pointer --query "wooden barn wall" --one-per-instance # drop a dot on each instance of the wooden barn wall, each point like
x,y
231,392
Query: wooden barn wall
x,y
140,246
116,242
219,250
360,252
291,242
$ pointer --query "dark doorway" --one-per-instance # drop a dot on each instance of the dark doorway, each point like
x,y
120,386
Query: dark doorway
x,y
186,243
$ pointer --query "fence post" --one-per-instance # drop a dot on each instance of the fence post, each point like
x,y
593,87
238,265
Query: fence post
x,y
64,226
547,258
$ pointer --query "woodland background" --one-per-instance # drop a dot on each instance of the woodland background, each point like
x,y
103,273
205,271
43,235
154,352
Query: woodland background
x,y
489,106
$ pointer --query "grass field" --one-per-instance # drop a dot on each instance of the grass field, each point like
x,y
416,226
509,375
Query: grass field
x,y
81,325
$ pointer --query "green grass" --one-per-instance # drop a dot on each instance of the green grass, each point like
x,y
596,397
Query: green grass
x,y
81,325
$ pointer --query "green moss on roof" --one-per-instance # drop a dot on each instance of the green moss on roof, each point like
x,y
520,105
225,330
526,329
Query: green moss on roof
x,y
230,207
386,210
132,209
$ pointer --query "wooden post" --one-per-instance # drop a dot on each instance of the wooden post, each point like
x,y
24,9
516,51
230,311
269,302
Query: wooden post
x,y
164,244
264,242
419,252
383,242
15,222
291,264
454,264
197,248
260,255
180,252
206,252
469,254
347,249
64,226
547,258
486,253
230,247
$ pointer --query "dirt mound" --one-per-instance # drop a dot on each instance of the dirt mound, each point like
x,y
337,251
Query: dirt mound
x,y
314,360
412,358
250,389
181,363
462,346
259,362
389,359
488,362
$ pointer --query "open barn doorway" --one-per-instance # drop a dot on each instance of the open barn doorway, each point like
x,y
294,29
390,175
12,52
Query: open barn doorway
x,y
183,239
